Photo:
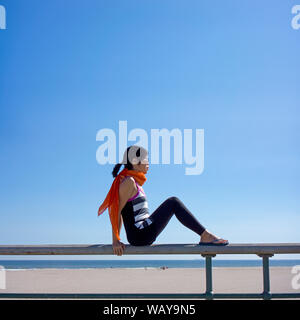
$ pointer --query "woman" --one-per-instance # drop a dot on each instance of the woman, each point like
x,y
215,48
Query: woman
x,y
126,202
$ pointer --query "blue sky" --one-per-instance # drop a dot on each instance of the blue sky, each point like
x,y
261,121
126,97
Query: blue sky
x,y
71,68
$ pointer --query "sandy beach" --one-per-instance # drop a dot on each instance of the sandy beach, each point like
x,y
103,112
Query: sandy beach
x,y
145,280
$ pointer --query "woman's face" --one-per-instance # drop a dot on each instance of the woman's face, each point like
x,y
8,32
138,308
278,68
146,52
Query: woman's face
x,y
143,166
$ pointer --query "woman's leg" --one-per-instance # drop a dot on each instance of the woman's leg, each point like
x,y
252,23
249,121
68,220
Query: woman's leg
x,y
162,215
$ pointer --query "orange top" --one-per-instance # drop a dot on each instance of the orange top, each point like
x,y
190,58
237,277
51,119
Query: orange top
x,y
112,199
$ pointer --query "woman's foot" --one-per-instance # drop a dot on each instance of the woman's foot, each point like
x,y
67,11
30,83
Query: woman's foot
x,y
207,237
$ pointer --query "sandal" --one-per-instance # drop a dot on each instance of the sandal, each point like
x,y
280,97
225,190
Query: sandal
x,y
214,243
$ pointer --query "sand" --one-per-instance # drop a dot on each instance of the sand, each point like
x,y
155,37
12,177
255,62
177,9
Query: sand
x,y
146,280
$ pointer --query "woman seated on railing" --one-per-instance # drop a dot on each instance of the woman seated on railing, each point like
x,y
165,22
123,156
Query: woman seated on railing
x,y
126,201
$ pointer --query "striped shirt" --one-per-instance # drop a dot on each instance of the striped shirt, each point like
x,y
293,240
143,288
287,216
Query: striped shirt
x,y
140,209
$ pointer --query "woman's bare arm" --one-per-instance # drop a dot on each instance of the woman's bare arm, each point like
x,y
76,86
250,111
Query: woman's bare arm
x,y
127,189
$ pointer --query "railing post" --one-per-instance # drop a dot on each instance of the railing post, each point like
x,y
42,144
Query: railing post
x,y
266,276
208,271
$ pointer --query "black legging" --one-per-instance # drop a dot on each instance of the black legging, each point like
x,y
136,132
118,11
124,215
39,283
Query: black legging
x,y
160,217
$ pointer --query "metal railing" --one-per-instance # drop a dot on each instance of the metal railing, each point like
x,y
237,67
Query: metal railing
x,y
263,250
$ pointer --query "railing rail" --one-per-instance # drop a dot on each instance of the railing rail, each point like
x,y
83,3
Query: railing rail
x,y
263,250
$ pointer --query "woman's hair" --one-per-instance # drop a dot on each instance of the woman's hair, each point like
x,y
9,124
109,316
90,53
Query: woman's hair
x,y
132,155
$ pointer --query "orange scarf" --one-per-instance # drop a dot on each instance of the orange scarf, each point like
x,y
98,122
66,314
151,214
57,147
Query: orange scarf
x,y
112,199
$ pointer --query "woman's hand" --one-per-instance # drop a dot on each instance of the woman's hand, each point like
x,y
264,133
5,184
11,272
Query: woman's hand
x,y
118,247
